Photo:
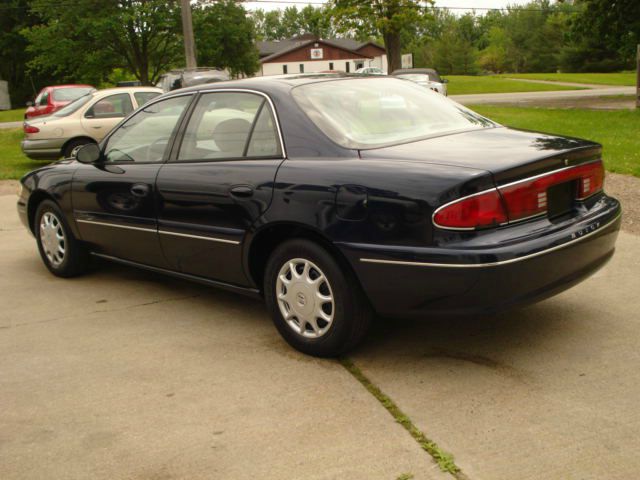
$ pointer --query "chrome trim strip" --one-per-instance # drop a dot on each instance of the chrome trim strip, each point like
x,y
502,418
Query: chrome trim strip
x,y
490,264
141,229
115,225
257,92
199,237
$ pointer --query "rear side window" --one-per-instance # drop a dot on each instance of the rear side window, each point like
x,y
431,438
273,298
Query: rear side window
x,y
113,106
229,125
144,97
44,99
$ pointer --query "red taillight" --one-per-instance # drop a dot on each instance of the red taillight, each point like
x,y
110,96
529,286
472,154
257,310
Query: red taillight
x,y
481,210
528,198
30,128
519,200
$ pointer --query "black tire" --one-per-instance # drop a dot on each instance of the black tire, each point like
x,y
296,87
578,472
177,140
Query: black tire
x,y
351,311
72,145
75,259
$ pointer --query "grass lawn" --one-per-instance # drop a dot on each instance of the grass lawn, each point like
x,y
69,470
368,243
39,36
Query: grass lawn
x,y
464,84
13,164
616,130
16,115
620,79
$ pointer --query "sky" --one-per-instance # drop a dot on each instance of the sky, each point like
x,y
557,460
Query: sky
x,y
459,5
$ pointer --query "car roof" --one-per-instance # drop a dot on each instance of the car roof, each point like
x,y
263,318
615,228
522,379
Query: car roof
x,y
70,85
414,70
110,91
274,82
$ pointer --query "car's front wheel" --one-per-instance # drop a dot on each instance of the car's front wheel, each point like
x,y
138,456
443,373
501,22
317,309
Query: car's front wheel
x,y
316,304
71,148
61,252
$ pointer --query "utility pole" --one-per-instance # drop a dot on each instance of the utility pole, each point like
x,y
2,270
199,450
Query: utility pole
x,y
638,78
187,33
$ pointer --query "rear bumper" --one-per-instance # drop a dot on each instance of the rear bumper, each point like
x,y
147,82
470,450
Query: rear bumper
x,y
47,149
414,282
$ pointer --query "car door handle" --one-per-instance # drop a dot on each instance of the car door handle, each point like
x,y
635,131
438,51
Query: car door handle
x,y
140,190
96,127
243,191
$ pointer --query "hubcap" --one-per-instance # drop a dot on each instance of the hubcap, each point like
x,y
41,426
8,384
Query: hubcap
x,y
305,298
52,238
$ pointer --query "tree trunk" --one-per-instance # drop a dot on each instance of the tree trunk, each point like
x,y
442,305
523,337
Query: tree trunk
x,y
394,51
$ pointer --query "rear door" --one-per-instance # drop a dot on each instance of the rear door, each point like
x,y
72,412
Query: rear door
x,y
114,200
218,183
100,118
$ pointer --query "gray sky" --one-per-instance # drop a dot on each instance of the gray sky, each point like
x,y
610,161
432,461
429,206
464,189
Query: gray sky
x,y
469,4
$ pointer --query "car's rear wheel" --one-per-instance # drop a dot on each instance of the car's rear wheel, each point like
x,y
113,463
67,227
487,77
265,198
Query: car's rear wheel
x,y
61,252
316,305
73,146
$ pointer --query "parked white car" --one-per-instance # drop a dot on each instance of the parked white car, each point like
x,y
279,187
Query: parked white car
x,y
85,120
370,71
427,77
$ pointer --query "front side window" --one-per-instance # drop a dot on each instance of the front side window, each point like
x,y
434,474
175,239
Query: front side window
x,y
228,125
145,136
113,106
374,112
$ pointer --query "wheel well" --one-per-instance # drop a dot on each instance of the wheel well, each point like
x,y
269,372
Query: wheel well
x,y
64,147
34,200
268,239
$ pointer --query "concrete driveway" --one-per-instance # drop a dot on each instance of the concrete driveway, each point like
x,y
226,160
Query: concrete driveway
x,y
125,374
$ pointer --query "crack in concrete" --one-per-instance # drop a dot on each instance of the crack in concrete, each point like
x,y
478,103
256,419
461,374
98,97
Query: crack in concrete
x,y
444,459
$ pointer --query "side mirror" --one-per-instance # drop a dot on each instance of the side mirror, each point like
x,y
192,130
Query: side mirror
x,y
444,80
29,103
89,153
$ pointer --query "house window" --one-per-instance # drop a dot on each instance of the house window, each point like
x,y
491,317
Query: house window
x,y
359,65
330,65
284,69
347,67
302,68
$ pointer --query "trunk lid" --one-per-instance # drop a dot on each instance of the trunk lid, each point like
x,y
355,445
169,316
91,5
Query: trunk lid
x,y
509,154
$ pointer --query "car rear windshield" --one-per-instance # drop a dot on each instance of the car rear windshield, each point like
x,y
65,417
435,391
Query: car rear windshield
x,y
70,94
73,106
372,112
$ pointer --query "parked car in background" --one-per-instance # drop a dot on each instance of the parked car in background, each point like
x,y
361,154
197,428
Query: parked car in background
x,y
370,71
86,120
52,99
332,197
426,77
182,78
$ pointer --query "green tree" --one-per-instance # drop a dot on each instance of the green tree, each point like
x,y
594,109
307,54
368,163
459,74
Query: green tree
x,y
385,18
615,24
15,16
225,37
87,42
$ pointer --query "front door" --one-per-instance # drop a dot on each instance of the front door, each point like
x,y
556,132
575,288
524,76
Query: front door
x,y
114,200
105,114
218,184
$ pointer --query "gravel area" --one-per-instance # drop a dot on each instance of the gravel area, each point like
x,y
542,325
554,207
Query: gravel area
x,y
626,189
623,187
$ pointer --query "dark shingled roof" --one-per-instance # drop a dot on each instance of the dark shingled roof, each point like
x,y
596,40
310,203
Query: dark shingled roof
x,y
267,49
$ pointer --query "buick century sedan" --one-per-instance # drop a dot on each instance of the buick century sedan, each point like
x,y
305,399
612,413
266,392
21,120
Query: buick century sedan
x,y
333,198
